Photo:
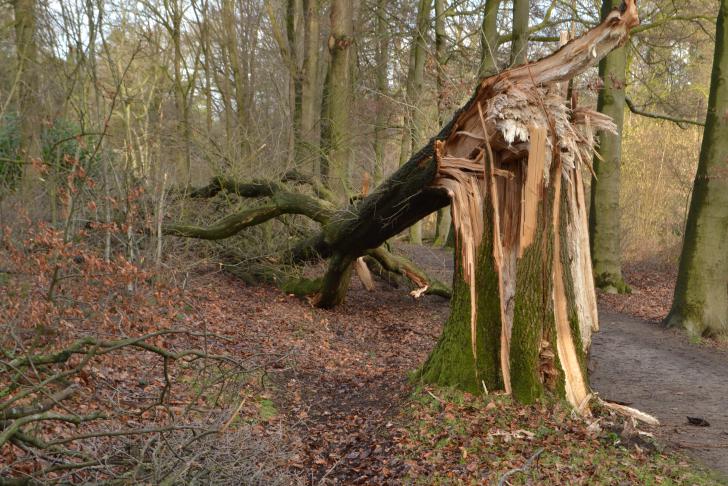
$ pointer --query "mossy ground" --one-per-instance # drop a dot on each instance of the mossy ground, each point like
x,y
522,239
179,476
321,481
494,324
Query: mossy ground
x,y
451,437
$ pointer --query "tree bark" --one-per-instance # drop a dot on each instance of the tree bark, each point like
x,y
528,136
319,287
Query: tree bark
x,y
489,40
294,10
444,221
382,117
239,77
519,46
339,93
418,114
700,304
310,95
604,215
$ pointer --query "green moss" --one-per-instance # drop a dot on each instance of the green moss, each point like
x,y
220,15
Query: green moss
x,y
301,287
451,363
532,313
612,283
267,409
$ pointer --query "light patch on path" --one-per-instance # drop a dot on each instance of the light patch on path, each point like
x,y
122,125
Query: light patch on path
x,y
659,372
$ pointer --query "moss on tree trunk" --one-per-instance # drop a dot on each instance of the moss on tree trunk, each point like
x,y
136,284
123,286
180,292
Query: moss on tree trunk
x,y
452,363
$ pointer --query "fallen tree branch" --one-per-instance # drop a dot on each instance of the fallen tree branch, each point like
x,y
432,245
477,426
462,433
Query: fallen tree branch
x,y
44,406
9,428
400,265
281,202
631,412
260,187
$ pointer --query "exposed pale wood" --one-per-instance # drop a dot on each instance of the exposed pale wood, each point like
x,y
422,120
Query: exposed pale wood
x,y
580,259
533,188
588,277
631,412
574,383
362,271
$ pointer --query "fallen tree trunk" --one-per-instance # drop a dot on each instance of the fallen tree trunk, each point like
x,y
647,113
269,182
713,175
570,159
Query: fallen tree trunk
x,y
280,200
509,164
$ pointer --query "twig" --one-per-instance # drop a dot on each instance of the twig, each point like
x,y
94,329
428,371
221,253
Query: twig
x,y
232,417
523,469
435,397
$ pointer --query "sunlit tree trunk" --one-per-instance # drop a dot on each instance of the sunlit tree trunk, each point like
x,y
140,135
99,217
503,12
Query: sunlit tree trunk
x,y
701,295
517,315
604,215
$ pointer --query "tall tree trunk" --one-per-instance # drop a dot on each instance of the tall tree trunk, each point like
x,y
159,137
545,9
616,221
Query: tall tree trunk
x,y
310,89
380,130
604,215
701,295
339,94
239,81
419,116
444,219
489,40
25,25
519,47
323,165
180,94
294,10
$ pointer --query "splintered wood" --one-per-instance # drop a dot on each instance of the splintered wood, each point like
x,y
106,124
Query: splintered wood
x,y
574,381
362,271
513,144
532,189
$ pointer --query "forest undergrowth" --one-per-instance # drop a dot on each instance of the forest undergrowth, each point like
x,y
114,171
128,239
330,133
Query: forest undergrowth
x,y
200,378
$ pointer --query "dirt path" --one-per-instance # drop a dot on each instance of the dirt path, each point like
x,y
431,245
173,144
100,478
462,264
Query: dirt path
x,y
660,372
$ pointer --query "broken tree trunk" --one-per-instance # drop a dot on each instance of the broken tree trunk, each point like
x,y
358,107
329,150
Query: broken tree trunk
x,y
409,194
524,292
509,163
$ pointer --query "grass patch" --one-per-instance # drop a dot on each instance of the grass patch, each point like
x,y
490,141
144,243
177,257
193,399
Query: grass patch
x,y
478,439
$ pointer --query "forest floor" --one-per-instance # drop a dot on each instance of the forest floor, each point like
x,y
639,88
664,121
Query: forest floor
x,y
332,401
353,416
